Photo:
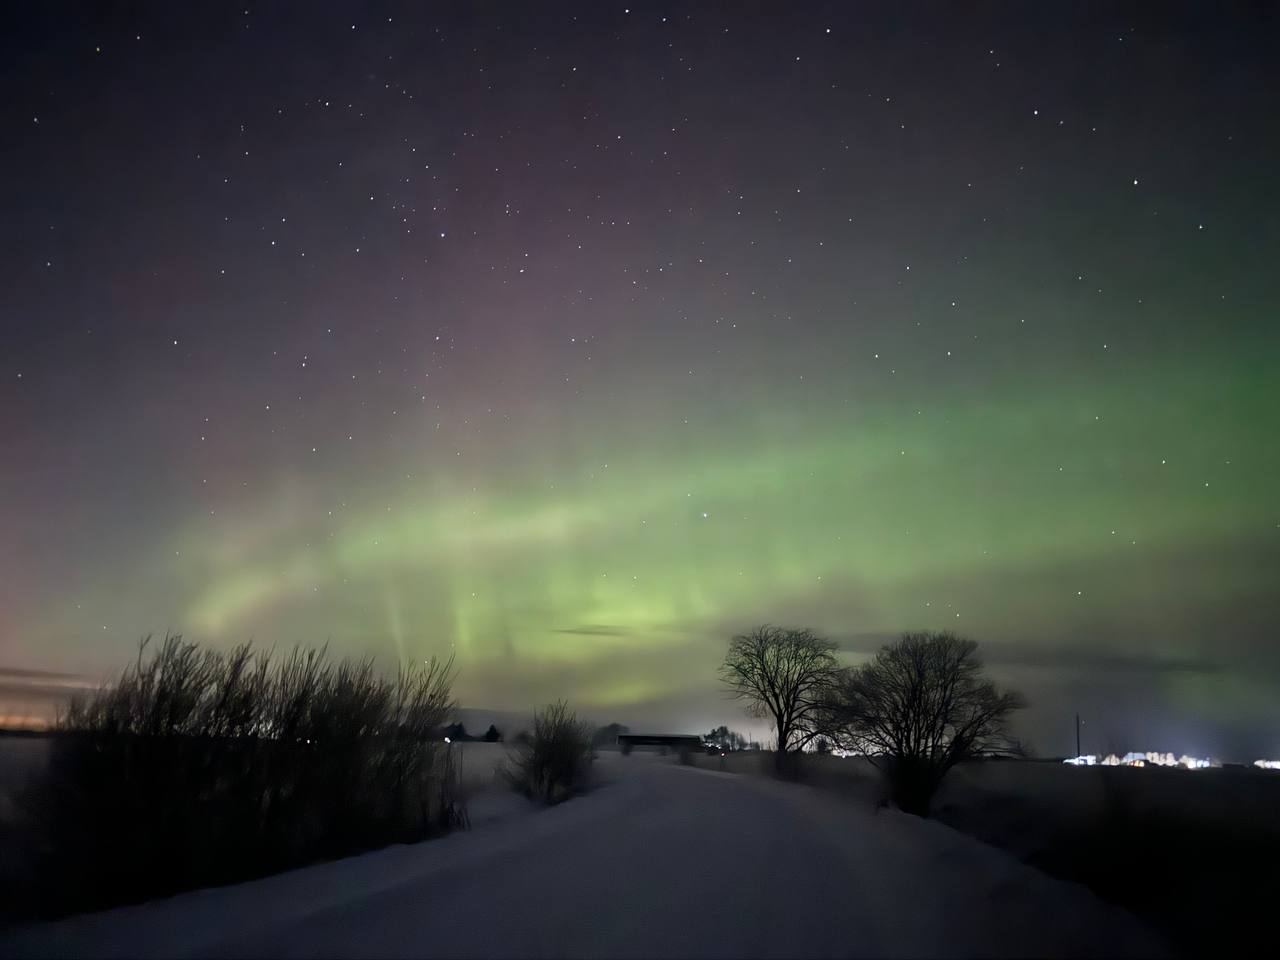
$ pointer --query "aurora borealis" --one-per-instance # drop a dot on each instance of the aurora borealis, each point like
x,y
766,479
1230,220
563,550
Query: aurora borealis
x,y
575,340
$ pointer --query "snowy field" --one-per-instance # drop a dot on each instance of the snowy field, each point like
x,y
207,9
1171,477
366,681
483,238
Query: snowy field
x,y
1180,848
658,860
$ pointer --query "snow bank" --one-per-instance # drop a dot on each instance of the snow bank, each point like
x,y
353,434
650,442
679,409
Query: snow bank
x,y
658,860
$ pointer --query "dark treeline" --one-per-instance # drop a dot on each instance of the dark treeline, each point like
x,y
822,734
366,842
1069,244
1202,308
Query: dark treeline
x,y
722,738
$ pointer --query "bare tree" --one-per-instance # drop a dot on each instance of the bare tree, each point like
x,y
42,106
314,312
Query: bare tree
x,y
919,707
785,675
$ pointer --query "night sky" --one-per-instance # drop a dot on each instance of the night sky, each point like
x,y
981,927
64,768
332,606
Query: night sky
x,y
572,341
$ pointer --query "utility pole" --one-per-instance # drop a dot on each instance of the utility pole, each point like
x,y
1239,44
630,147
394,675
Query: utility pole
x,y
1078,735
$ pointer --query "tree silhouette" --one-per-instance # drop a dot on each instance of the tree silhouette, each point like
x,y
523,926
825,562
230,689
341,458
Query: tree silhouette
x,y
919,707
785,675
492,735
607,736
726,739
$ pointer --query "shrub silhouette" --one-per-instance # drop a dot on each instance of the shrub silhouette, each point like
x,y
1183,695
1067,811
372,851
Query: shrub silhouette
x,y
200,767
555,760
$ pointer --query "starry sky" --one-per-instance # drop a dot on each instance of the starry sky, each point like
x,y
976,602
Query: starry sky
x,y
571,340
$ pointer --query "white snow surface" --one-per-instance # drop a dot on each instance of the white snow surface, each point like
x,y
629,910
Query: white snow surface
x,y
658,860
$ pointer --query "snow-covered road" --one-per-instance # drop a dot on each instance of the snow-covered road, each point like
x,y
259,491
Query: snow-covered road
x,y
660,860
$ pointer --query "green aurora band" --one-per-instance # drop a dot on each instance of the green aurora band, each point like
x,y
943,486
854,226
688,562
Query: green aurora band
x,y
932,515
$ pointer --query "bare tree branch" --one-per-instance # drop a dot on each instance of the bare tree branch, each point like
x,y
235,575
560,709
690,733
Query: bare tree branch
x,y
785,675
919,707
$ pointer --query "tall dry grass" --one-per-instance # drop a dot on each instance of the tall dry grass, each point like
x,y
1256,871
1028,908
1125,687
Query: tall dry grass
x,y
200,767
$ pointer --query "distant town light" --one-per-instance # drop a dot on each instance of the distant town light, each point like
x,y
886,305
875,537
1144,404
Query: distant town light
x,y
1136,759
